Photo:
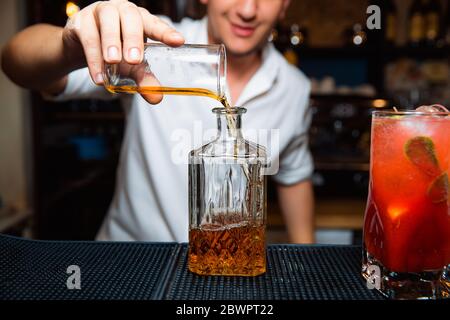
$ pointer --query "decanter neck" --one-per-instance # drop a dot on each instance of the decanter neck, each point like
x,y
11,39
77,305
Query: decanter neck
x,y
229,123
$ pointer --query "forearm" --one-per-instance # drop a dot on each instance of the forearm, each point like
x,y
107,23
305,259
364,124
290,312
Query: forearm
x,y
297,205
35,59
40,57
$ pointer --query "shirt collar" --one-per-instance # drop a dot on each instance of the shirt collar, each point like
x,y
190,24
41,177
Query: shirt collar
x,y
265,76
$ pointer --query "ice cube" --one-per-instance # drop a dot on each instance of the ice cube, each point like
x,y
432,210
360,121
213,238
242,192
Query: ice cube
x,y
432,109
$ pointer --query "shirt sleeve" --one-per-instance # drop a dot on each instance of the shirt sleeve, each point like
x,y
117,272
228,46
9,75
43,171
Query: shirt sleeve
x,y
80,86
296,163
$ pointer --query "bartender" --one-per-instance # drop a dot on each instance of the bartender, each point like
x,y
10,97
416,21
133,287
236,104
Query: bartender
x,y
150,201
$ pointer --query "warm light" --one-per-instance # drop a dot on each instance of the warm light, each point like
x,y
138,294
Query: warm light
x,y
357,40
379,103
295,40
396,212
71,9
273,36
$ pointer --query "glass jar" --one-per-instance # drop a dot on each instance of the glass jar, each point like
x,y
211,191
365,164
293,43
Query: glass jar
x,y
227,202
191,69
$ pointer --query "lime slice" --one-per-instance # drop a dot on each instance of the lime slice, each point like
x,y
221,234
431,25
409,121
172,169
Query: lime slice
x,y
421,152
438,190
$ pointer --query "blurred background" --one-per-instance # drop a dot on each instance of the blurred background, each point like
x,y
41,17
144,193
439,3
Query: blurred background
x,y
58,161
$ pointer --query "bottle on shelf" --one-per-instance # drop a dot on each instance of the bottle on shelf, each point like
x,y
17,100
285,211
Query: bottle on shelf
x,y
273,37
359,36
432,21
416,34
446,23
390,23
297,37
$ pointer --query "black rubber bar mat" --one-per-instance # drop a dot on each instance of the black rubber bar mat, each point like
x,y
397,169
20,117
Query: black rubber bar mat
x,y
117,271
293,273
142,271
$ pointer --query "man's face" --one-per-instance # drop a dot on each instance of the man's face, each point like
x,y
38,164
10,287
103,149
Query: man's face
x,y
243,25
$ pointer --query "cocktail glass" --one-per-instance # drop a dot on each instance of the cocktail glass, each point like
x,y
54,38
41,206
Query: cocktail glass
x,y
406,251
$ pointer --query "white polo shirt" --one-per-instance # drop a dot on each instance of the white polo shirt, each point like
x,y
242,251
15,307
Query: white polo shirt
x,y
151,196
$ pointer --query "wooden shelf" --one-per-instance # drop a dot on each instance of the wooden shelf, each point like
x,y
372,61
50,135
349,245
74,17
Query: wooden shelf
x,y
335,53
346,97
11,220
89,116
421,52
342,213
342,166
417,52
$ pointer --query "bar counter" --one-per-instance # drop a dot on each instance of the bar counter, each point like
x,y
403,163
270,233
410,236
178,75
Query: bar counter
x,y
40,270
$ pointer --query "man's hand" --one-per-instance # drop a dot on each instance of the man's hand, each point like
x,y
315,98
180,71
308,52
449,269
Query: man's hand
x,y
41,56
110,30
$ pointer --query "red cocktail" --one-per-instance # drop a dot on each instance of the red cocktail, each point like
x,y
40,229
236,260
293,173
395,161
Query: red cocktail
x,y
407,221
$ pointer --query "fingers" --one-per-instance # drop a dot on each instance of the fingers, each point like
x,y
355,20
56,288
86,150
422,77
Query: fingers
x,y
90,41
109,24
156,29
145,80
132,33
113,31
